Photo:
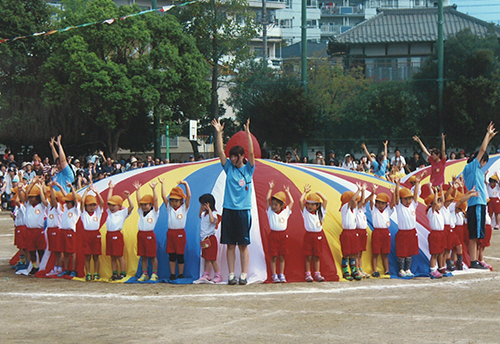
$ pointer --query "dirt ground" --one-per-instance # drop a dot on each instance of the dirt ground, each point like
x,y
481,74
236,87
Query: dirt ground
x,y
460,309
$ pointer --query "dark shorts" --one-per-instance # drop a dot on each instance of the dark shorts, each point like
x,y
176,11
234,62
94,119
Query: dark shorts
x,y
476,217
236,227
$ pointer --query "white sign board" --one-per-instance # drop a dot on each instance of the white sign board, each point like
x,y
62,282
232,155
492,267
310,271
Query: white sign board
x,y
193,130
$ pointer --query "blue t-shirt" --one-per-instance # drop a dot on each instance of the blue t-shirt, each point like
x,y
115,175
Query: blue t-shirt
x,y
238,192
66,175
380,170
473,176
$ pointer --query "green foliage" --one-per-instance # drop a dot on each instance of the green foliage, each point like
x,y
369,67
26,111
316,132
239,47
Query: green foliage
x,y
472,88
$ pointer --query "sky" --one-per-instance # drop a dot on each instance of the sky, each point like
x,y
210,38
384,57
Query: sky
x,y
487,10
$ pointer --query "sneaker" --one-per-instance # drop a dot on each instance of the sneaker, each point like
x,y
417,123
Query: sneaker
x,y
64,273
95,277
180,276
486,265
21,267
154,277
475,265
143,278
282,278
318,277
52,273
33,271
436,274
402,273
205,277
365,275
387,273
496,227
452,268
309,278
232,280
376,274
409,274
114,278
217,278
121,276
357,276
88,277
243,281
347,276
275,278
172,277
459,266
72,274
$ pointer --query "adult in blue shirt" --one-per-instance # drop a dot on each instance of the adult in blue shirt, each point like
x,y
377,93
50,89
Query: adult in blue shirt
x,y
476,210
64,173
380,163
236,216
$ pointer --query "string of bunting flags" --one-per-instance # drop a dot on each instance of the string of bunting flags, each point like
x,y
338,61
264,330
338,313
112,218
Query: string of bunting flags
x,y
107,21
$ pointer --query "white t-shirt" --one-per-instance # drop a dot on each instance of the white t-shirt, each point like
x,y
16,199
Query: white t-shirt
x,y
116,220
445,212
453,215
20,214
54,215
348,217
361,222
206,227
92,222
460,219
147,223
399,161
311,221
487,219
177,217
278,222
382,219
35,216
407,218
493,192
436,220
413,190
70,217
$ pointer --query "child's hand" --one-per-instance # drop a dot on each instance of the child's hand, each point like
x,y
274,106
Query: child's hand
x,y
247,126
126,194
207,207
152,185
216,124
307,188
271,184
286,188
416,138
136,185
182,182
111,185
161,180
491,130
443,136
386,143
68,184
374,187
59,140
364,186
363,145
52,141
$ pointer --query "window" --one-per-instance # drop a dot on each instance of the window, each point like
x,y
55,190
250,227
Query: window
x,y
312,3
312,23
174,141
286,24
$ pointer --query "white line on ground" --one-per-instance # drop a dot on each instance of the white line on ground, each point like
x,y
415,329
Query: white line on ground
x,y
493,258
7,235
414,285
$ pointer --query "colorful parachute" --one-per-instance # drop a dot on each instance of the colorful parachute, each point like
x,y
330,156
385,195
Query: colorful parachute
x,y
208,177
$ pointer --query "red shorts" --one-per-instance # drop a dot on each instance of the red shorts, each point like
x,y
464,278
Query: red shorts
x,y
487,237
406,243
20,237
349,242
35,239
114,244
210,253
278,243
176,241
437,242
363,238
312,243
92,243
459,232
55,239
452,238
494,206
146,244
69,240
381,241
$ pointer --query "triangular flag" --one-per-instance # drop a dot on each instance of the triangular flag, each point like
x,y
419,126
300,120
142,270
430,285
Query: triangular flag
x,y
165,8
109,21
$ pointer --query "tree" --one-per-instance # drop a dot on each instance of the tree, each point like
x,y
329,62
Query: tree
x,y
472,86
116,76
223,30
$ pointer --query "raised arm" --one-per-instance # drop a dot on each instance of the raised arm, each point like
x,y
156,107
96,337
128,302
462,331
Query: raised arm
x,y
82,205
302,200
465,198
251,154
385,149
443,146
137,187
352,202
373,195
368,156
490,133
269,194
53,199
362,203
424,149
62,155
188,192
111,186
163,192
152,185
287,191
418,179
396,192
218,141
130,204
53,148
42,193
98,195
323,197
75,199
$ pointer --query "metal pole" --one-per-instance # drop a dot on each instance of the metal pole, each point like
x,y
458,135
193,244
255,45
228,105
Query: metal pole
x,y
167,145
153,4
264,30
440,79
304,45
157,146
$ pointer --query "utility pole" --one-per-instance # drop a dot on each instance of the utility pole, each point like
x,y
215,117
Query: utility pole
x,y
264,30
156,123
304,59
440,79
153,4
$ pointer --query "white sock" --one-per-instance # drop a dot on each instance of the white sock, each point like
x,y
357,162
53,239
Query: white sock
x,y
243,275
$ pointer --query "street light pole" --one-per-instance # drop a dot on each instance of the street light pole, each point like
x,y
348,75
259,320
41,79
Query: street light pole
x,y
440,79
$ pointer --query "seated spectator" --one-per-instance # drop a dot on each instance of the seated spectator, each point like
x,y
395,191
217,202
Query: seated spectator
x,y
399,161
320,159
28,172
149,161
415,163
349,163
37,167
332,161
453,156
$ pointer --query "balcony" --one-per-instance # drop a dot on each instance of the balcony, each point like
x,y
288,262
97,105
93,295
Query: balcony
x,y
270,4
328,10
